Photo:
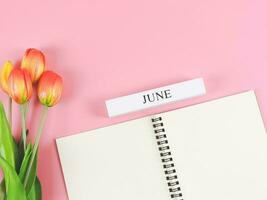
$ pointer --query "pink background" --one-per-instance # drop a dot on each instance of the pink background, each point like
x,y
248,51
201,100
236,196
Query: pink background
x,y
108,48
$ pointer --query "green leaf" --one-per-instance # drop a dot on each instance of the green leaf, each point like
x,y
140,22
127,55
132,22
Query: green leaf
x,y
2,190
20,155
24,167
36,191
8,148
14,187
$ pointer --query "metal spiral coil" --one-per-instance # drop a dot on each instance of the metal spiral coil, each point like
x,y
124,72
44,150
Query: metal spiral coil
x,y
166,159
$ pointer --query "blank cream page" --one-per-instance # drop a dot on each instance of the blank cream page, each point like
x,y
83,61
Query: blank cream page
x,y
220,149
119,162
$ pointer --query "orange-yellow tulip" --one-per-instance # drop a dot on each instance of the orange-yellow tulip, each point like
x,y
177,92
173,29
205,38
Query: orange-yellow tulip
x,y
34,62
20,85
50,88
4,74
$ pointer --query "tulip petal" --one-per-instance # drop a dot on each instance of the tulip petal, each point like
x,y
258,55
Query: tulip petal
x,y
50,88
4,75
20,86
34,62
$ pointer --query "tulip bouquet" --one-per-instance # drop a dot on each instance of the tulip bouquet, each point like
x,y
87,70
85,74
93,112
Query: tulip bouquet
x,y
18,157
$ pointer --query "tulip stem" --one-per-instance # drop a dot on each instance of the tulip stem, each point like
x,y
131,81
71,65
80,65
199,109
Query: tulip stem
x,y
36,143
23,125
26,108
10,111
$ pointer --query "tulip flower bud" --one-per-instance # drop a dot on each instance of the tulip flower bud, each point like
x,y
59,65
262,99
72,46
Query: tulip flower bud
x,y
4,74
20,85
50,88
34,62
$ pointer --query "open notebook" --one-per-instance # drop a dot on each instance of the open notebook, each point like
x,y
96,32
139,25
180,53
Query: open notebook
x,y
211,151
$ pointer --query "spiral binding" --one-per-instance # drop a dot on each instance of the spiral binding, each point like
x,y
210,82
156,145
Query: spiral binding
x,y
166,159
